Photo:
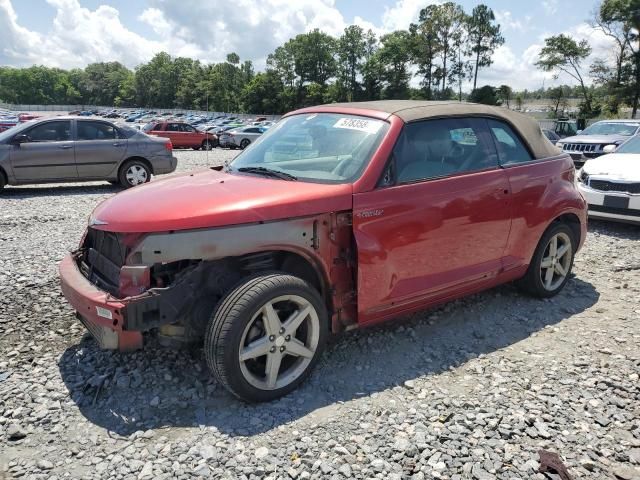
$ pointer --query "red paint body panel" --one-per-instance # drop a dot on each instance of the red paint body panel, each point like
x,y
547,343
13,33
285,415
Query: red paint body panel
x,y
210,198
429,238
541,192
85,297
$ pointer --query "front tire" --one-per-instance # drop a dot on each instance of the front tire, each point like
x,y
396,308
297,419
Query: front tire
x,y
134,172
551,264
244,143
207,145
266,336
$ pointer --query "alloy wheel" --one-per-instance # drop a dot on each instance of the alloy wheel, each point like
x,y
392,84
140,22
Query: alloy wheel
x,y
556,261
279,342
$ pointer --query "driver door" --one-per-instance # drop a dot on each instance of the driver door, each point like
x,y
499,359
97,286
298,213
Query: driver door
x,y
434,229
48,155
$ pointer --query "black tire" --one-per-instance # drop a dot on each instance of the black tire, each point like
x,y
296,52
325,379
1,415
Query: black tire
x,y
207,145
532,283
244,143
3,180
114,182
138,165
231,322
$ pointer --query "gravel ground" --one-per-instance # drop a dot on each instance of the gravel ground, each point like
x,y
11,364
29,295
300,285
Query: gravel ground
x,y
471,390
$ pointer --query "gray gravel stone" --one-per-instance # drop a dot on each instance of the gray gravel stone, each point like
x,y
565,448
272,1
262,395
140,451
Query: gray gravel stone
x,y
471,389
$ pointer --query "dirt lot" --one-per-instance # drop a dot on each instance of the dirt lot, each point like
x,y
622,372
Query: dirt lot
x,y
471,390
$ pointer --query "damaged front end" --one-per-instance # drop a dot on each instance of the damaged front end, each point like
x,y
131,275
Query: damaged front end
x,y
116,301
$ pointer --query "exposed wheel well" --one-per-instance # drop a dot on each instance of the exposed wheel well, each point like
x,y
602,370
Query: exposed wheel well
x,y
573,222
214,279
141,159
283,261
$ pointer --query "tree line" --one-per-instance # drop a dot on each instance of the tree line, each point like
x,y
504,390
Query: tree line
x,y
446,46
444,49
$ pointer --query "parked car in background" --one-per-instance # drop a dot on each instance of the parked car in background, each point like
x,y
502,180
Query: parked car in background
x,y
240,137
182,135
590,142
611,183
346,215
73,149
551,135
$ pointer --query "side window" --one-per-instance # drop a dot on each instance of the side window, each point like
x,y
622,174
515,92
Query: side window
x,y
96,131
173,127
187,128
59,131
439,148
510,148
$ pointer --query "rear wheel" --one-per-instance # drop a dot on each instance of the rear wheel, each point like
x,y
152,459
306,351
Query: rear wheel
x,y
134,172
244,143
266,336
3,180
551,264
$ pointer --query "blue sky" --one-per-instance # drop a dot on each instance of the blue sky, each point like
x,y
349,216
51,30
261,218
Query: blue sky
x,y
72,33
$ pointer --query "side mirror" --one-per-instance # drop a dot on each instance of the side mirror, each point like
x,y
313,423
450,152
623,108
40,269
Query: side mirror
x,y
21,138
609,149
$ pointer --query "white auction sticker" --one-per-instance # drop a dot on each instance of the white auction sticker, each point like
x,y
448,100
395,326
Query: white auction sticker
x,y
360,124
103,312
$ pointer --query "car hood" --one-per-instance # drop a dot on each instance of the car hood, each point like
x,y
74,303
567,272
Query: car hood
x,y
594,139
210,198
618,166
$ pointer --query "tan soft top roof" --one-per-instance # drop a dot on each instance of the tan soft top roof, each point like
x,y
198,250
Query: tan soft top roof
x,y
412,110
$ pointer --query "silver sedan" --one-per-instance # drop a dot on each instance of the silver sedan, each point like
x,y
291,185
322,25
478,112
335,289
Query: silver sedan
x,y
240,137
70,149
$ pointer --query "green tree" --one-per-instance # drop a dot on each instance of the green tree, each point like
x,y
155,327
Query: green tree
x,y
425,47
264,94
561,53
395,56
624,16
448,21
484,37
372,69
486,95
504,93
351,51
102,81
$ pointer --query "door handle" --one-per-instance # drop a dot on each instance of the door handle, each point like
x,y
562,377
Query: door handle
x,y
117,144
65,147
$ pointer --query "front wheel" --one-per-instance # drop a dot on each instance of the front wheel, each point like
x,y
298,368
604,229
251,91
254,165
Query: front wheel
x,y
551,264
207,145
266,336
134,172
244,143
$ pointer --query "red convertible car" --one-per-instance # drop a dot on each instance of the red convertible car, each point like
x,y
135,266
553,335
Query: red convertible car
x,y
340,216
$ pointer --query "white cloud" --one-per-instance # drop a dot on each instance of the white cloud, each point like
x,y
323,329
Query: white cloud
x,y
402,14
252,28
550,6
507,22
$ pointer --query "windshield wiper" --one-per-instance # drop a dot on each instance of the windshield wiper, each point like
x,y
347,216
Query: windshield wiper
x,y
268,172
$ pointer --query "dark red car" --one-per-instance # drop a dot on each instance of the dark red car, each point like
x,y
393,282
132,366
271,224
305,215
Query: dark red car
x,y
341,216
181,134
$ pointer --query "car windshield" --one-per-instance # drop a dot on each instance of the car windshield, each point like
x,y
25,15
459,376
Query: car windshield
x,y
630,146
316,147
10,132
611,128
